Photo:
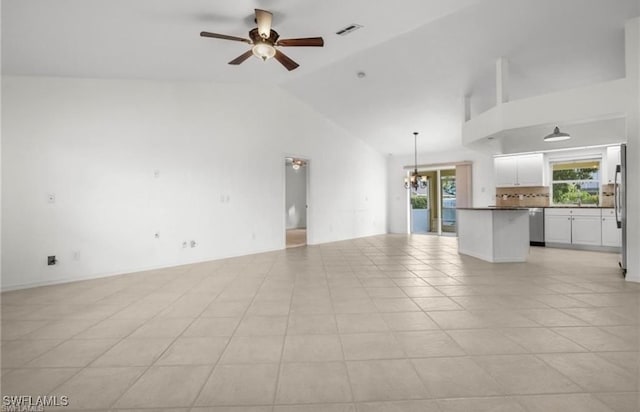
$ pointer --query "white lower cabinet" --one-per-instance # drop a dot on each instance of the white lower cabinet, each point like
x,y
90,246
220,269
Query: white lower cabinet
x,y
557,229
581,226
611,235
586,230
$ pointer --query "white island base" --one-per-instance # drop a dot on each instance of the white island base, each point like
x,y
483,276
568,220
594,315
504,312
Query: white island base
x,y
494,234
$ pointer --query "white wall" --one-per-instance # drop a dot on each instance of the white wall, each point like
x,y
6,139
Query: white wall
x,y
296,197
217,149
482,181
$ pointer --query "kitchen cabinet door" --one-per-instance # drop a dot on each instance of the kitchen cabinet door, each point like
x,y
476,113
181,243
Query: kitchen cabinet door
x,y
586,230
611,235
557,229
530,170
506,171
613,159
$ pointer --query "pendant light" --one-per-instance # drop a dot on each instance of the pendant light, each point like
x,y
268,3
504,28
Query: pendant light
x,y
415,181
296,164
557,136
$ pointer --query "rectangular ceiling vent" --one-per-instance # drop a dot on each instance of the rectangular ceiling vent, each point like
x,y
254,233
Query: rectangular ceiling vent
x,y
349,29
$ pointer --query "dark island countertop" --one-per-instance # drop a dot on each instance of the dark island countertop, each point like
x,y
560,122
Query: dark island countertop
x,y
494,208
578,207
545,207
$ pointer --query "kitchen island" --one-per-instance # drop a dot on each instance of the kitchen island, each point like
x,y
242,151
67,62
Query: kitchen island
x,y
494,234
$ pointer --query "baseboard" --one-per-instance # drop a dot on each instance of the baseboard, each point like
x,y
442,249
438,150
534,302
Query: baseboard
x,y
591,248
125,272
30,285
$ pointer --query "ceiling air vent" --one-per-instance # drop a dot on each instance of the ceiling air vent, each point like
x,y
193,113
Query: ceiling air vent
x,y
349,29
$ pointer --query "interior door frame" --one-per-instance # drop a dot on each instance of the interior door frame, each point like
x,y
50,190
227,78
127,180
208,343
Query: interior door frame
x,y
283,224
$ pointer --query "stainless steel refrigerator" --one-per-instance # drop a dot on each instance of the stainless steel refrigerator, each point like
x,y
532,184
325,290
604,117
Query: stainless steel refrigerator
x,y
620,204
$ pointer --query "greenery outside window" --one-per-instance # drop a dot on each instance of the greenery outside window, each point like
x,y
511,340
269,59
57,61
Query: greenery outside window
x,y
420,199
419,202
576,182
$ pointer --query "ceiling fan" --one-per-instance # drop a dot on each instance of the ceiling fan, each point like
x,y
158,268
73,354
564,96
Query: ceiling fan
x,y
265,41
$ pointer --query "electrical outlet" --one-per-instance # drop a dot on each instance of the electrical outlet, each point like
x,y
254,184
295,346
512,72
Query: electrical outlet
x,y
156,235
184,244
51,260
193,243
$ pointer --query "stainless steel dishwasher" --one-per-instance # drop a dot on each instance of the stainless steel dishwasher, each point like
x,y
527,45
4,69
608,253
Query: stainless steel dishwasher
x,y
536,226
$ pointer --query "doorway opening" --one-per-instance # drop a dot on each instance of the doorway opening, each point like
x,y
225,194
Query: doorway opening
x,y
296,191
432,209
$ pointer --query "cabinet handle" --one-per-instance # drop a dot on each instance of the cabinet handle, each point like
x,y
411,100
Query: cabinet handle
x,y
568,218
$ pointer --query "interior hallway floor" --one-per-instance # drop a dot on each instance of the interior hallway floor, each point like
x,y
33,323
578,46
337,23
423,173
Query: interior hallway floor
x,y
386,323
296,237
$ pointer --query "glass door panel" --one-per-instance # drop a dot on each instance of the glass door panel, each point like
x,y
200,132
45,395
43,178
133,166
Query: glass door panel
x,y
448,200
420,210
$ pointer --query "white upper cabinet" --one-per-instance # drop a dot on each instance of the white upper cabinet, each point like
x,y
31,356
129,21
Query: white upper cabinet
x,y
530,170
613,159
522,170
506,171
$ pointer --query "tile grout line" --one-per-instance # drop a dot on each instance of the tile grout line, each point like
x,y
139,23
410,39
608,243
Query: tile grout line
x,y
284,343
244,313
148,367
81,369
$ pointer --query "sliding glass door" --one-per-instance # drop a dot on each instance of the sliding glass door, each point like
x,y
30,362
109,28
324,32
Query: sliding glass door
x,y
433,208
448,200
421,209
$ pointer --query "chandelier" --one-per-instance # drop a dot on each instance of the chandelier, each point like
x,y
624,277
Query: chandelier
x,y
415,181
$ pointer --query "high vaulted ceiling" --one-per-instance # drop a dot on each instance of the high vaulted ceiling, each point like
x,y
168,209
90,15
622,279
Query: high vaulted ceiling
x,y
420,56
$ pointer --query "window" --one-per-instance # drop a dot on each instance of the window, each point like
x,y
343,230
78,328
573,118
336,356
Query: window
x,y
576,182
420,198
448,183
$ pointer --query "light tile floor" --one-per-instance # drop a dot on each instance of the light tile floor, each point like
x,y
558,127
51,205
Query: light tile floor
x,y
387,323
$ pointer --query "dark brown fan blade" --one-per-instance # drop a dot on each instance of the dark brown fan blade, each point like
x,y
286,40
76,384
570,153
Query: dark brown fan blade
x,y
309,41
241,58
224,37
286,61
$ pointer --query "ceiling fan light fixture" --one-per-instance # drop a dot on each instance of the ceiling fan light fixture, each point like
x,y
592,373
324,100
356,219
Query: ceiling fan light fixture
x,y
296,164
264,41
557,136
264,51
